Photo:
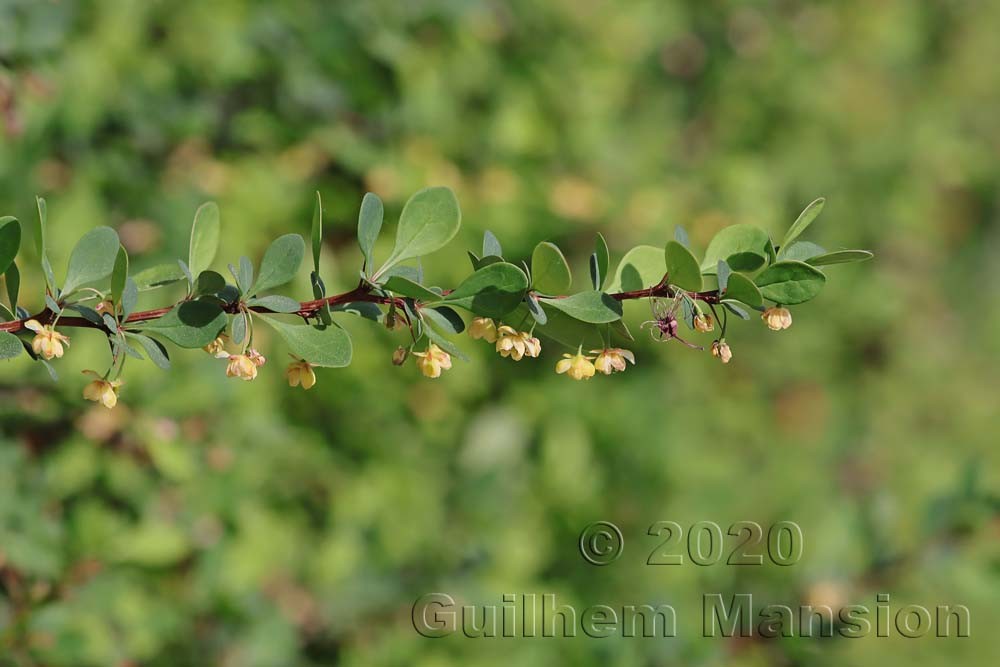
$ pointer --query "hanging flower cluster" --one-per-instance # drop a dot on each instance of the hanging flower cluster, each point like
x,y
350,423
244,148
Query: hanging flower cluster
x,y
512,306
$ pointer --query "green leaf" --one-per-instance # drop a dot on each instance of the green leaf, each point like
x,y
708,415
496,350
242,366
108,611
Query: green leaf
x,y
722,274
593,306
191,324
736,310
789,283
119,275
327,345
536,310
154,350
369,226
492,291
682,267
549,271
568,331
491,245
317,231
158,276
642,266
6,315
13,280
445,344
744,247
365,309
681,236
244,274
741,288
208,282
801,251
603,259
429,220
40,248
281,262
92,259
276,303
238,328
841,257
10,345
407,287
10,241
205,232
130,296
803,221
445,319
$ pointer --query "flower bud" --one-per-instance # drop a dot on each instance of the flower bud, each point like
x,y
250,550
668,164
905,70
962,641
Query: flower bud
x,y
777,318
216,346
484,328
399,356
720,350
704,323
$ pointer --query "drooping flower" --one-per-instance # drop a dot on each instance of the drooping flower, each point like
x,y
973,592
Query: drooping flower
x,y
704,323
47,343
301,372
256,357
399,356
517,344
720,350
102,390
612,359
576,366
484,328
240,366
433,361
777,318
217,345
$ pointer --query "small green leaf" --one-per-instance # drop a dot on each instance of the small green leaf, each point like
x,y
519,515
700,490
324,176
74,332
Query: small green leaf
x,y
6,315
429,220
10,345
205,232
801,251
130,296
276,303
191,324
13,280
445,319
789,283
492,291
682,267
841,257
365,309
208,282
317,231
369,226
736,310
741,288
119,275
491,245
722,273
238,328
406,287
593,307
642,266
92,259
681,236
549,271
40,247
327,346
744,247
536,310
804,220
10,241
281,262
445,344
603,257
244,274
158,276
154,350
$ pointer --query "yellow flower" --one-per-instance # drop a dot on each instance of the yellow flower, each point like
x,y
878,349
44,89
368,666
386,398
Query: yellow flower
x,y
777,318
485,328
517,344
47,343
704,323
103,391
256,357
433,361
576,366
721,350
301,373
240,366
612,359
217,345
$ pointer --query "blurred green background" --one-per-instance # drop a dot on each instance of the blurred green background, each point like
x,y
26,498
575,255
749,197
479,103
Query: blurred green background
x,y
208,521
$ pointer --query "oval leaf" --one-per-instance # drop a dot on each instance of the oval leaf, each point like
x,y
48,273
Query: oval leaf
x,y
802,251
10,241
744,247
549,271
205,233
841,257
805,219
276,303
593,307
642,266
445,319
154,350
369,226
790,283
740,288
119,275
92,259
281,262
406,287
10,345
317,231
492,291
328,346
429,220
682,267
191,324
158,276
